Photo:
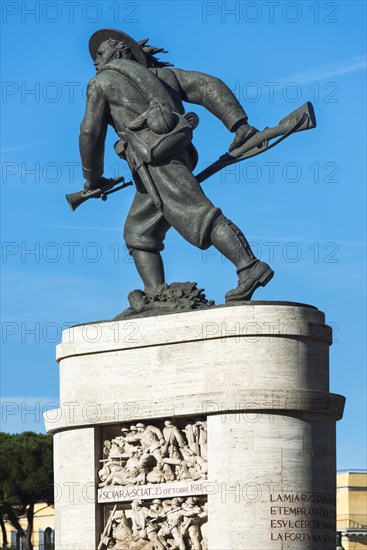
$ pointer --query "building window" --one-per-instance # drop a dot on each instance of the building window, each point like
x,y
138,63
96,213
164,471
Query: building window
x,y
49,539
17,541
46,539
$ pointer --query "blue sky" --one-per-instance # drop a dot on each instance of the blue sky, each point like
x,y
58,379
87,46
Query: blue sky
x,y
302,205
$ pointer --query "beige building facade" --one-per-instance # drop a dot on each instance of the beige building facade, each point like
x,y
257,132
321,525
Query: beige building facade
x,y
352,509
43,529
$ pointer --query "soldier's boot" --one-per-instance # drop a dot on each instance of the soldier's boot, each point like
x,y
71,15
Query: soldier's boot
x,y
150,268
252,273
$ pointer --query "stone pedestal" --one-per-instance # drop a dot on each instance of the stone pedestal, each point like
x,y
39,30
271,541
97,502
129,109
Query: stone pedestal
x,y
258,374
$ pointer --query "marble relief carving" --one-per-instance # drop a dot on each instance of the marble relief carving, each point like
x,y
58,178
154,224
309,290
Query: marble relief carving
x,y
155,453
177,523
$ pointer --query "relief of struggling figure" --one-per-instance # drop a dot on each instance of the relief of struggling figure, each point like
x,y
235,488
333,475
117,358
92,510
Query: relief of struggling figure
x,y
150,454
175,524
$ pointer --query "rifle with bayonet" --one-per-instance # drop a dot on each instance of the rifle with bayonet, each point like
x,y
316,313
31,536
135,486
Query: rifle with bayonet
x,y
301,119
107,530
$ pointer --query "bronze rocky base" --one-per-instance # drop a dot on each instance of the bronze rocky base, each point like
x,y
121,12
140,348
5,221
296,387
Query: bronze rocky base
x,y
173,298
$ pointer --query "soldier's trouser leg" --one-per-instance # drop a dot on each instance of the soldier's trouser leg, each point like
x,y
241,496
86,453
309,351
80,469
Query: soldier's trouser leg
x,y
157,543
194,533
158,456
178,539
184,206
231,242
189,211
145,230
150,268
144,466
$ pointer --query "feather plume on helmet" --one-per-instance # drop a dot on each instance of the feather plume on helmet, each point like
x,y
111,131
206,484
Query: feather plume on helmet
x,y
151,52
140,51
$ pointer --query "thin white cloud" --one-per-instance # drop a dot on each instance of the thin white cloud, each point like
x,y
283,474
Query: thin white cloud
x,y
351,65
17,148
25,146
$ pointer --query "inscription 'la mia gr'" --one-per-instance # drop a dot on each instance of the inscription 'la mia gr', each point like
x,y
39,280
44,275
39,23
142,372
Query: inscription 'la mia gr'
x,y
303,497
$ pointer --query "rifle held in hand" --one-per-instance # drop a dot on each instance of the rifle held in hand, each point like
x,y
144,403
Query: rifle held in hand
x,y
76,199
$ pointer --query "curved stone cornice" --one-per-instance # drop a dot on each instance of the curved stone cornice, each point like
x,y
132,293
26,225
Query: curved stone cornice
x,y
251,402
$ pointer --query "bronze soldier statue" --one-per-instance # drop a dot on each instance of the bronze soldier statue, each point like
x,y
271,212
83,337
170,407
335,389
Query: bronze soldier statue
x,y
142,99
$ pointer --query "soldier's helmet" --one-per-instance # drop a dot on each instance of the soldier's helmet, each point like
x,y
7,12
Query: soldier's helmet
x,y
105,34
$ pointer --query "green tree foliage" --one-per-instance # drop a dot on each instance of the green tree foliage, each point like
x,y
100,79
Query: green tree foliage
x,y
26,477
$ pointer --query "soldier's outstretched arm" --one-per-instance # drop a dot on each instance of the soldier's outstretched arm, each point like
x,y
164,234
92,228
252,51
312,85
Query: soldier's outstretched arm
x,y
93,133
213,94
